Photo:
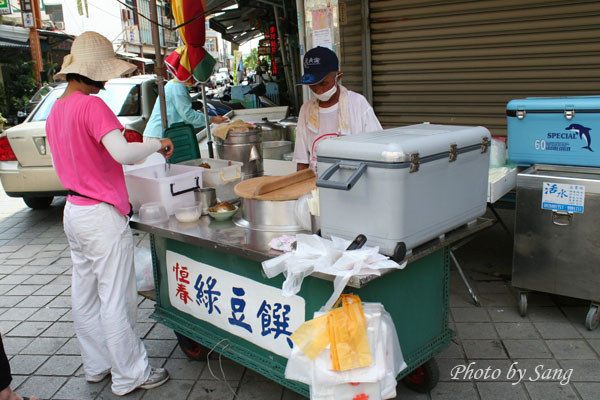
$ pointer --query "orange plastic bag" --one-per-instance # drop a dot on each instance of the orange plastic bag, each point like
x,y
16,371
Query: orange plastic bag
x,y
348,335
344,328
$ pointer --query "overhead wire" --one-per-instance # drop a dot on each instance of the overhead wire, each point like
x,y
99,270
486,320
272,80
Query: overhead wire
x,y
206,12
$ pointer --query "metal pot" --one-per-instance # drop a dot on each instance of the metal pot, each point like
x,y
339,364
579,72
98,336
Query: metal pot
x,y
245,147
266,215
271,131
290,124
275,150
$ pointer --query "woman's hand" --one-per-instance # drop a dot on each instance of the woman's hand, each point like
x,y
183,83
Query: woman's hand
x,y
166,148
218,119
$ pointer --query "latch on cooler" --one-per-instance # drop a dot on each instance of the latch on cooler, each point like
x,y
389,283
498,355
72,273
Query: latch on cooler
x,y
453,153
414,162
569,112
485,144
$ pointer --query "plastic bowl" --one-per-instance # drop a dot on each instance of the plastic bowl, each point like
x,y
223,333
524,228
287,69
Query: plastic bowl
x,y
153,213
187,213
223,215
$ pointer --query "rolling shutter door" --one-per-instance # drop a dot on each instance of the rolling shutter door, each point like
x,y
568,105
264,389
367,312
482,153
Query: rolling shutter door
x,y
351,57
460,62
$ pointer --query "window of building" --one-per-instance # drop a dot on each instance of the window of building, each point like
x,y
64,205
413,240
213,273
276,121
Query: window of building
x,y
55,12
211,44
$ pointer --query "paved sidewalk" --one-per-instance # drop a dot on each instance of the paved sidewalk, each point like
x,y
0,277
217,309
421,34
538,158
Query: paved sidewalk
x,y
36,326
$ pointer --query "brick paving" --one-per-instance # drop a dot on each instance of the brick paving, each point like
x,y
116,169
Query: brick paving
x,y
37,329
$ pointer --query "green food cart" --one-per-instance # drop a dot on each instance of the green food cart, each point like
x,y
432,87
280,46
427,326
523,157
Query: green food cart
x,y
211,290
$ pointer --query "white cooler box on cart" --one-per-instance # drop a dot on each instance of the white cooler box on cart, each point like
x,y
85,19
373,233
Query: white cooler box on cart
x,y
402,187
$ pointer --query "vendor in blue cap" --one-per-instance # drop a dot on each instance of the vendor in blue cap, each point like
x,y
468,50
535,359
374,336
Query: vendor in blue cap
x,y
333,111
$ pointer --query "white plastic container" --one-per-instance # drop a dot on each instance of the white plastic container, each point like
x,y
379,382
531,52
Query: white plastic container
x,y
169,185
223,175
402,187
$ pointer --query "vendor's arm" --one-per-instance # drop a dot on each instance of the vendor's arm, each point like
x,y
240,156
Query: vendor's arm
x,y
369,120
129,153
301,149
183,104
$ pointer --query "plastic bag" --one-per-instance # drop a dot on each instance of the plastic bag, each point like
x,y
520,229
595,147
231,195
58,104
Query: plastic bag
x,y
498,153
144,276
327,384
348,335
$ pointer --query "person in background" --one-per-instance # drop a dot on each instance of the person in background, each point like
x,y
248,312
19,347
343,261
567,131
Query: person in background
x,y
240,71
179,109
333,111
88,151
6,392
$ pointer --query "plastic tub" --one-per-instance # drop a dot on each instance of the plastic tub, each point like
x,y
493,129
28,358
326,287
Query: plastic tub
x,y
223,175
153,213
188,213
170,186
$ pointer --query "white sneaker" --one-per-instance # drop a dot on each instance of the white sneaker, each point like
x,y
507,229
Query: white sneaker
x,y
157,377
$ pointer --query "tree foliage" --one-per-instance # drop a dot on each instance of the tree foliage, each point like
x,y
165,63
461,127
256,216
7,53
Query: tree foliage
x,y
20,85
252,60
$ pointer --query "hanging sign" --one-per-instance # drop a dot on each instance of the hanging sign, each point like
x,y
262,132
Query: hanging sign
x,y
5,7
273,44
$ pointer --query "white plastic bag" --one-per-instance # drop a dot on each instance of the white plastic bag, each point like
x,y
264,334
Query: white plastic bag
x,y
498,153
144,276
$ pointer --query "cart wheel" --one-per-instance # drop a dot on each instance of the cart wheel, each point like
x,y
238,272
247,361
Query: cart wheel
x,y
193,350
399,252
423,378
593,318
523,304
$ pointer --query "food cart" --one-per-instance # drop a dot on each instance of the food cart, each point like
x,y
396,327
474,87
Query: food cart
x,y
210,289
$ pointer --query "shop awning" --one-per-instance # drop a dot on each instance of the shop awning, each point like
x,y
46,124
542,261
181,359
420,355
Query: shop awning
x,y
134,57
9,44
246,22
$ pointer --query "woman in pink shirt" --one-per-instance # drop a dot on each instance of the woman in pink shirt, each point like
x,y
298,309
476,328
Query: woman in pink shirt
x,y
88,150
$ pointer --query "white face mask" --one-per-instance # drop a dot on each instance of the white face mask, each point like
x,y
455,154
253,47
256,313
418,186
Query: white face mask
x,y
328,94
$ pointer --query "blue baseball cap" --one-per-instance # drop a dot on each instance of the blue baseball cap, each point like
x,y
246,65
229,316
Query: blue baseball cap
x,y
318,62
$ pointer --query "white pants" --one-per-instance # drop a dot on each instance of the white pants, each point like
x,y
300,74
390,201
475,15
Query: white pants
x,y
104,295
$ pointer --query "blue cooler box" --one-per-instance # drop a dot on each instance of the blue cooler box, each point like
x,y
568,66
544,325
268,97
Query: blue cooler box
x,y
554,130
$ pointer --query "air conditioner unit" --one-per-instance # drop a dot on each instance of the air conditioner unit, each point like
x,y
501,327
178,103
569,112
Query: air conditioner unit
x,y
60,25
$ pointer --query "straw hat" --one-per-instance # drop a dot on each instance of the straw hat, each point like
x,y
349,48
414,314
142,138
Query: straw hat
x,y
92,56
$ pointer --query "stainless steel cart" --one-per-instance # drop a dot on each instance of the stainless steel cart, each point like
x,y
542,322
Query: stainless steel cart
x,y
557,235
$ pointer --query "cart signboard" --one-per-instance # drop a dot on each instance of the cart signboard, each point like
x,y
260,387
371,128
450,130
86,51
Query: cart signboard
x,y
563,197
251,310
5,7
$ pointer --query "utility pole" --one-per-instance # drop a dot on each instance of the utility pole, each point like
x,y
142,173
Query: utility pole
x,y
32,19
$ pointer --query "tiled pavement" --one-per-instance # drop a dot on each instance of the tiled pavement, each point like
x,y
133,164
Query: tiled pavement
x,y
36,326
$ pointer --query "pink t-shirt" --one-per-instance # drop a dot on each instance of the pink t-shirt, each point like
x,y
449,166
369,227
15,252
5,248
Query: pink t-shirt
x,y
74,129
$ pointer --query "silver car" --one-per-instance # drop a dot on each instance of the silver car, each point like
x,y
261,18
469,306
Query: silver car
x,y
26,168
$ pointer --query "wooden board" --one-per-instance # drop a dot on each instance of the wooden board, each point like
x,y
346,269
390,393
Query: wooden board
x,y
247,188
284,181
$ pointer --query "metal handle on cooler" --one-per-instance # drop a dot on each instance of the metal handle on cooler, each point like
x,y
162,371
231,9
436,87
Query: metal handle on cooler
x,y
185,190
558,216
324,182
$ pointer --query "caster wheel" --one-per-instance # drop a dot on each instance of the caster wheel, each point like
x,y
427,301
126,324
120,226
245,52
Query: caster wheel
x,y
193,350
593,318
423,378
399,252
523,304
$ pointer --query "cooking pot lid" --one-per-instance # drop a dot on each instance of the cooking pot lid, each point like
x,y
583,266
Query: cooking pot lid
x,y
268,125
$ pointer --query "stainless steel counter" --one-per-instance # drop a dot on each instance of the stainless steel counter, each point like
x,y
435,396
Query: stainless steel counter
x,y
223,236
226,237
